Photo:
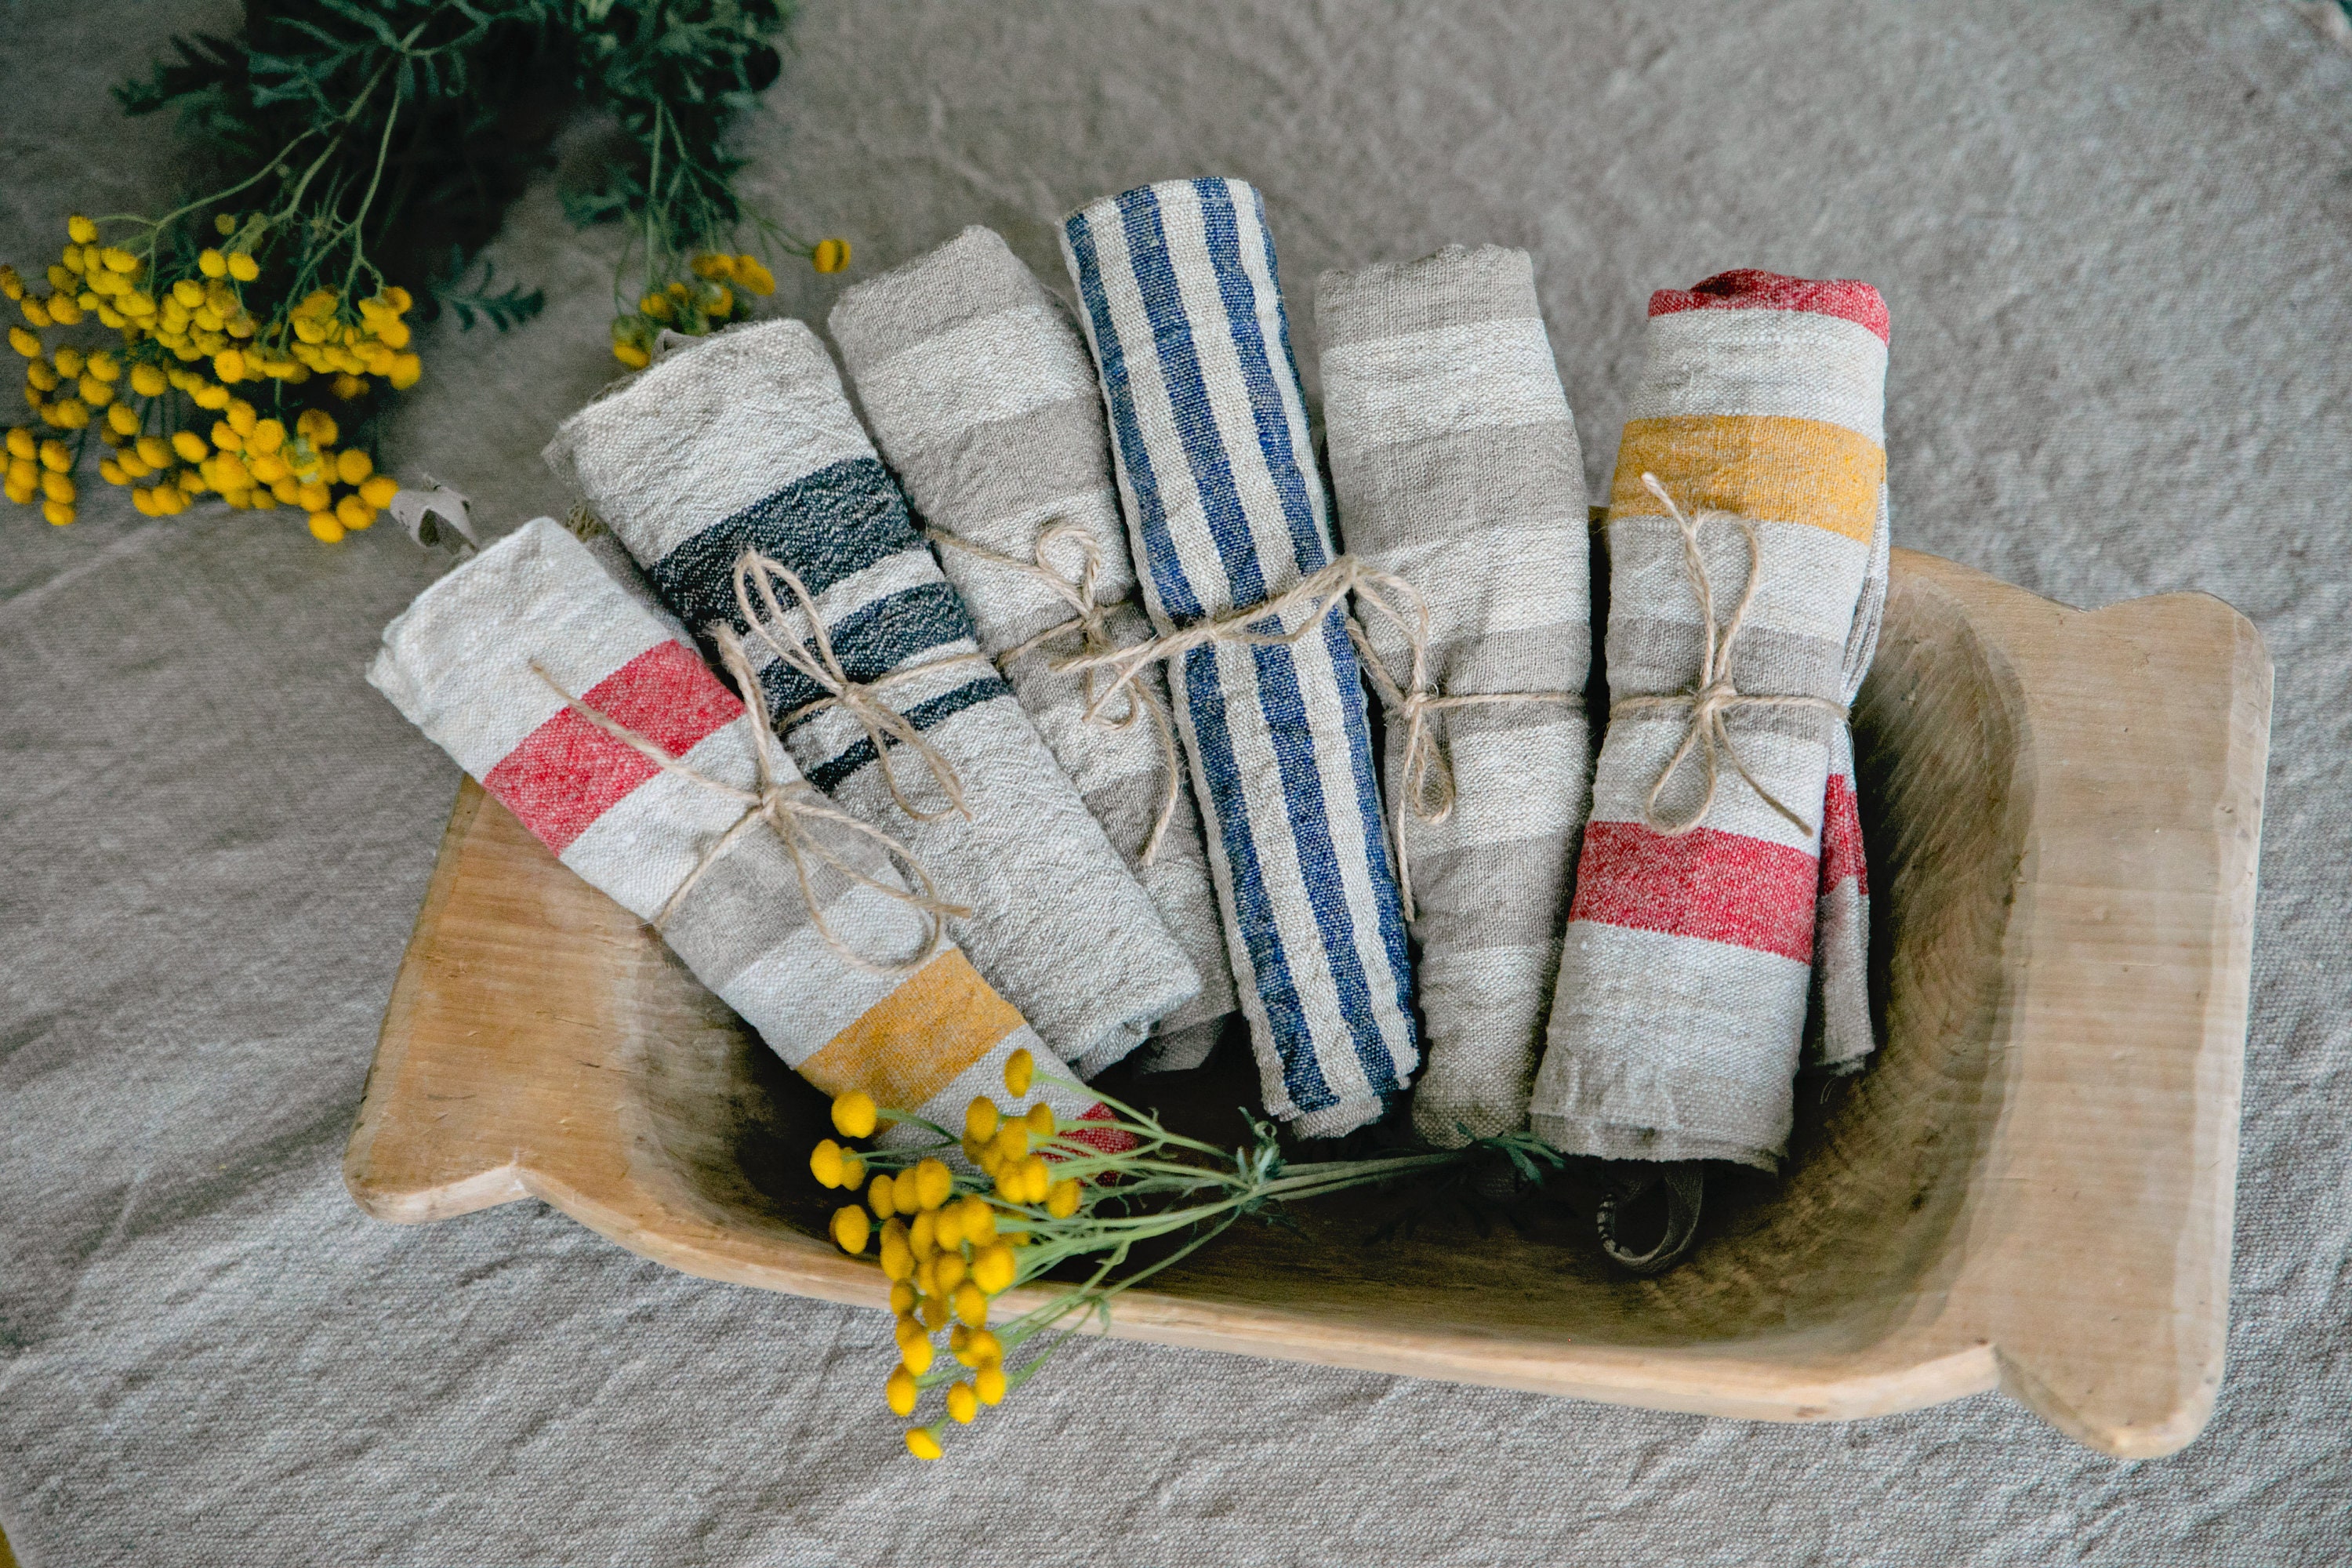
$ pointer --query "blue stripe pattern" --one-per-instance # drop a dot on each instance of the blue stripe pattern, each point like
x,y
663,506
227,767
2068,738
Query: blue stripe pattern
x,y
828,526
1278,735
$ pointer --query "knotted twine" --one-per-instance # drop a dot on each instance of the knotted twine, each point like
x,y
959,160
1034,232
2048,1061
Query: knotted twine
x,y
788,809
1426,771
1094,638
1711,698
756,576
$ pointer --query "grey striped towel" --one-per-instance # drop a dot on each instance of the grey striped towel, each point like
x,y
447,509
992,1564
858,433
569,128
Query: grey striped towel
x,y
1686,966
1225,508
983,402
745,441
471,662
1454,459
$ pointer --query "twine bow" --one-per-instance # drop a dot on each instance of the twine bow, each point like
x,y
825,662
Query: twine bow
x,y
1086,621
1425,772
756,576
1712,698
790,809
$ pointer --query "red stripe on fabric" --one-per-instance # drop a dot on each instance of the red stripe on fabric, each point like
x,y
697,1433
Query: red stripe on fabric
x,y
1715,886
568,773
1746,288
1842,854
1109,1140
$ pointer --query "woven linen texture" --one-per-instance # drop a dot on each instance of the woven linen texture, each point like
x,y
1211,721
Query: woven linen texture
x,y
1182,308
983,402
1454,465
1687,964
1841,1030
746,441
459,665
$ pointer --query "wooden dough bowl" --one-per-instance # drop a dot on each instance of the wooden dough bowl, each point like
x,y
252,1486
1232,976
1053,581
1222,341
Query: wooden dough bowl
x,y
2030,1189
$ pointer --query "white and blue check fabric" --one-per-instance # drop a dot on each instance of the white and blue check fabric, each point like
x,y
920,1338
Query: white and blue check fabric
x,y
1183,308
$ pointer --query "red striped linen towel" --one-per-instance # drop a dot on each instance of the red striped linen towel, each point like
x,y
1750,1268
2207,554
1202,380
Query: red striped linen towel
x,y
470,663
1677,1023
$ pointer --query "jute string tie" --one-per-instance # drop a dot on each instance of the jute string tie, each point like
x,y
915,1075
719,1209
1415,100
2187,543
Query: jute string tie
x,y
1425,770
1087,622
1712,698
756,580
792,808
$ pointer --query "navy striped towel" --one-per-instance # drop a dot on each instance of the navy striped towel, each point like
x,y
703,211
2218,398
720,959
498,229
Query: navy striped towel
x,y
1225,509
745,441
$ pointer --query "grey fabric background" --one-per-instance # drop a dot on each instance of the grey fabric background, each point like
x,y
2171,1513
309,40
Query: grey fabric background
x,y
2116,239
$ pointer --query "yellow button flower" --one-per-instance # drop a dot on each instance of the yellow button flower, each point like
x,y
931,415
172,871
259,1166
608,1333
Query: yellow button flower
x,y
994,1268
918,1353
898,1258
324,528
882,1197
830,255
980,1119
962,1402
1018,1067
241,266
988,1384
356,514
970,1303
855,1114
147,381
189,444
378,489
81,228
933,1182
922,1444
825,1163
899,1393
1062,1198
850,1229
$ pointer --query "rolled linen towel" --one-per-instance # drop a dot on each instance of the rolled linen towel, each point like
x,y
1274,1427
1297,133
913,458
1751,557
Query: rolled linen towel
x,y
984,404
745,442
840,987
1454,459
1225,511
1753,463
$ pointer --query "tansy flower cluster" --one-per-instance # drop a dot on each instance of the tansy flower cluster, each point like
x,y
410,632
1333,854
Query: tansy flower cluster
x,y
1032,1198
162,402
707,302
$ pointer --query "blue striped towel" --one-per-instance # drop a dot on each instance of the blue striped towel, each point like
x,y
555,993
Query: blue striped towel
x,y
1225,509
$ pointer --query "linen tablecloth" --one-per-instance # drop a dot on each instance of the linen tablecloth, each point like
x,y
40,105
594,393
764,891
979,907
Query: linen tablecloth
x,y
2115,234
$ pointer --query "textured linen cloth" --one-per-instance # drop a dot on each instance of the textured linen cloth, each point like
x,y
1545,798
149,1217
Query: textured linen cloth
x,y
464,664
2112,231
1225,508
1688,957
746,441
1840,1030
1454,460
981,398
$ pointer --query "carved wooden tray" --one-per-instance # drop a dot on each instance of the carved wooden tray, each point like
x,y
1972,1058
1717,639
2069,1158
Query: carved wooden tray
x,y
2030,1189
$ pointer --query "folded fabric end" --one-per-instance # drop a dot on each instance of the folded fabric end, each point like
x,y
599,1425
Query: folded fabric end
x,y
1450,1123
1111,1049
1181,1050
1332,1121
1587,1139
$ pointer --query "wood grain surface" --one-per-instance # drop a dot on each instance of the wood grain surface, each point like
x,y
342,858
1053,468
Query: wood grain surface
x,y
2030,1189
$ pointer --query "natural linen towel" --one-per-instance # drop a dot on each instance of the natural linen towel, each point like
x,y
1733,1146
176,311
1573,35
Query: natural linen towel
x,y
981,395
471,663
1838,1033
743,442
1685,972
1455,461
1225,508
